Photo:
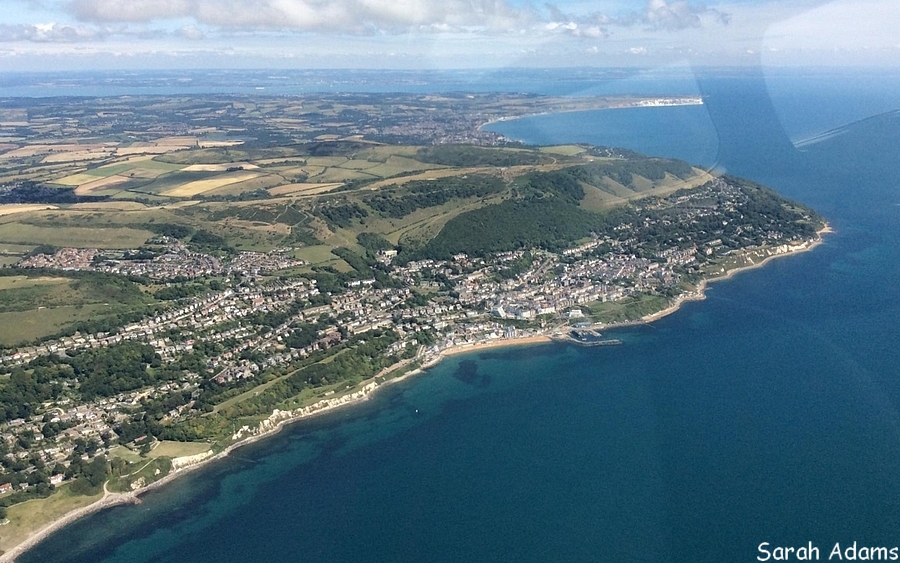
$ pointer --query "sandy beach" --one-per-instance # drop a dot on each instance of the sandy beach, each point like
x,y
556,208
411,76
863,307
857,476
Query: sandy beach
x,y
280,419
498,343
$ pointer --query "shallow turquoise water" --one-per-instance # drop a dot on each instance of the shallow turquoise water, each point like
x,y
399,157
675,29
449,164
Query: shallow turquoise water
x,y
768,412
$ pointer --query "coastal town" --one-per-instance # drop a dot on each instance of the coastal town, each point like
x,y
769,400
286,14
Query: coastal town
x,y
259,325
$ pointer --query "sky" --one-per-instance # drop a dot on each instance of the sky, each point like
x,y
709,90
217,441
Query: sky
x,y
53,35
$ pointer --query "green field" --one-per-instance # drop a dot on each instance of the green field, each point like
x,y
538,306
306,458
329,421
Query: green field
x,y
143,164
18,327
327,161
147,169
20,282
20,293
564,150
178,449
335,174
315,254
76,179
124,453
173,180
16,249
33,307
628,309
382,153
110,170
137,169
359,164
74,237
396,165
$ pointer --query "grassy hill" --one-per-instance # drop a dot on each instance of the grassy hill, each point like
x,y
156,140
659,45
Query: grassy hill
x,y
324,194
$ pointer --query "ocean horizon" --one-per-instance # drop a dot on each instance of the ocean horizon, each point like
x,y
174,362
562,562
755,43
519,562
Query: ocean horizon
x,y
769,412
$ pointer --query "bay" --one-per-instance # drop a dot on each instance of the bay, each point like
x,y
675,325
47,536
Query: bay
x,y
767,413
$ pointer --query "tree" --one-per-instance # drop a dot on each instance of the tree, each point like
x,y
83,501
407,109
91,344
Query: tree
x,y
92,476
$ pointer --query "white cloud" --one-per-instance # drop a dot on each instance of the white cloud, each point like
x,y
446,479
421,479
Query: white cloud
x,y
131,11
679,15
353,16
656,15
49,33
191,32
595,32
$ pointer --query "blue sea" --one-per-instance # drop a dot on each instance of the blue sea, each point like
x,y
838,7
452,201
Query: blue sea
x,y
770,412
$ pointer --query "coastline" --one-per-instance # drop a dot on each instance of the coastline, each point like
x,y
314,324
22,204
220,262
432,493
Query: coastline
x,y
629,105
274,423
699,294
108,500
806,248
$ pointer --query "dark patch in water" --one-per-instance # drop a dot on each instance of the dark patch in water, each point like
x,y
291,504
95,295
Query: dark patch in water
x,y
523,352
467,372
